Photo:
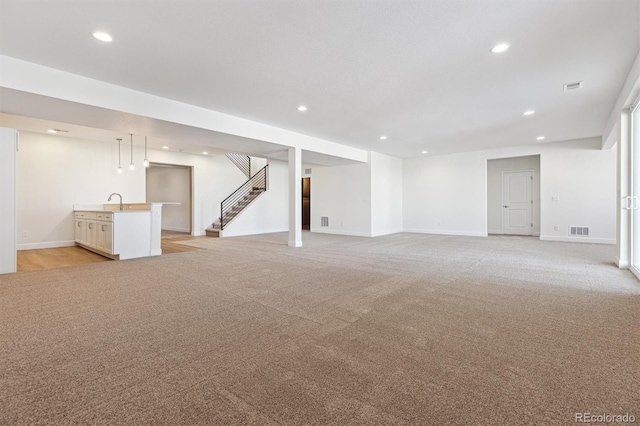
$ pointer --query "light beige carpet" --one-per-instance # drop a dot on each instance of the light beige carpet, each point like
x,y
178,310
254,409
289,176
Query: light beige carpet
x,y
403,329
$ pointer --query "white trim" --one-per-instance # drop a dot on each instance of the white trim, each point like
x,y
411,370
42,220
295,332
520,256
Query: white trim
x,y
495,231
175,229
393,231
51,244
295,244
635,272
578,239
444,232
248,234
622,264
155,252
337,232
198,233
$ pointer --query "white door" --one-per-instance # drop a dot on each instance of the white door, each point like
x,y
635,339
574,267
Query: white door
x,y
517,203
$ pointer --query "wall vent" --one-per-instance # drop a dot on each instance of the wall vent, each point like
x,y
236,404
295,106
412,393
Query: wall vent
x,y
579,231
324,220
572,86
307,171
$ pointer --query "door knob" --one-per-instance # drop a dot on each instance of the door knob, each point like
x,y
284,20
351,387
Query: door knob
x,y
506,207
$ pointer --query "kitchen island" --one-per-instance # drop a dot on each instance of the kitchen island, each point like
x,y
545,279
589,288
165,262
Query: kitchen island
x,y
119,231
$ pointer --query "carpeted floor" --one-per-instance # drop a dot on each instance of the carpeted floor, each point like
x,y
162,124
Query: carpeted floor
x,y
402,329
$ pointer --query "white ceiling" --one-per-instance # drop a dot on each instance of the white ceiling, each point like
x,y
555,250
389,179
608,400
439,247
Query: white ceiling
x,y
417,71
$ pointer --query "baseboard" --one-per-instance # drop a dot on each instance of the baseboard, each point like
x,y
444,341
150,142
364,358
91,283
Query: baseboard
x,y
198,233
578,239
52,244
338,232
443,232
391,232
175,229
495,231
260,232
622,264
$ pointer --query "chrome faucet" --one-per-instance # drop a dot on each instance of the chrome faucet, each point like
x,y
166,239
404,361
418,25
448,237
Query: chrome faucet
x,y
115,193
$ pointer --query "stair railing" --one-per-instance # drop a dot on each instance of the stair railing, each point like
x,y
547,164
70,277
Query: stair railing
x,y
243,162
258,182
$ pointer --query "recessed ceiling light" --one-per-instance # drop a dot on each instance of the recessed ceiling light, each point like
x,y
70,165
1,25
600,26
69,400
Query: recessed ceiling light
x,y
102,36
425,152
165,147
52,131
205,152
383,138
540,138
530,112
499,48
302,108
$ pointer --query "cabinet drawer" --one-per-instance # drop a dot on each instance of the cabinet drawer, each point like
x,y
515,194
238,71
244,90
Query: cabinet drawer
x,y
85,215
106,217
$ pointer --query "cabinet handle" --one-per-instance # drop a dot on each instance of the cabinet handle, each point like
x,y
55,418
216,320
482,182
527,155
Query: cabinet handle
x,y
102,228
78,224
90,227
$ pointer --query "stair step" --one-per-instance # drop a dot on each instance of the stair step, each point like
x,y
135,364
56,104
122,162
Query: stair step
x,y
212,232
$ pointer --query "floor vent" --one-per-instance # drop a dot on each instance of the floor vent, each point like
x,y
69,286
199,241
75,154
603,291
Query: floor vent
x,y
324,220
572,86
579,231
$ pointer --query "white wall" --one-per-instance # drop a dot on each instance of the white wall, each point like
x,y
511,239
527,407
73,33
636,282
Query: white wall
x,y
495,168
56,172
270,211
257,164
447,194
171,184
8,139
343,193
386,194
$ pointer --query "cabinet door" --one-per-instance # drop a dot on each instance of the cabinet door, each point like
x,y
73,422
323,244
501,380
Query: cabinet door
x,y
91,234
100,235
78,230
107,233
83,231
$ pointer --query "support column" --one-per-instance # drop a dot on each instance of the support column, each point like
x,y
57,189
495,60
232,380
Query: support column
x,y
623,214
295,197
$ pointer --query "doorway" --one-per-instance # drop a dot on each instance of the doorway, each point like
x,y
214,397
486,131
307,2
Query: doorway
x,y
171,185
306,203
513,196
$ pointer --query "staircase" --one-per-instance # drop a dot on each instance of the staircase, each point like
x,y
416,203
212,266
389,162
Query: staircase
x,y
241,198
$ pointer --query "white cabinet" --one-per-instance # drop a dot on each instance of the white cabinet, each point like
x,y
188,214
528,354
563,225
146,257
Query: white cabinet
x,y
104,232
117,234
94,230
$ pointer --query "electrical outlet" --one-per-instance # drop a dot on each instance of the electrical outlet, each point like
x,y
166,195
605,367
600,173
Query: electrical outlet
x,y
556,228
25,234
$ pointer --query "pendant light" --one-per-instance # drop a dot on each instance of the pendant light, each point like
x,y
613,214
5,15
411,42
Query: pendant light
x,y
132,167
119,166
145,162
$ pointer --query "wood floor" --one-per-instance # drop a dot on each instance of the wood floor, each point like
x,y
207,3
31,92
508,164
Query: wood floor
x,y
52,258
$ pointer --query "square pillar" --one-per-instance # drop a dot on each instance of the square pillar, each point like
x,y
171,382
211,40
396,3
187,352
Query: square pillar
x,y
295,197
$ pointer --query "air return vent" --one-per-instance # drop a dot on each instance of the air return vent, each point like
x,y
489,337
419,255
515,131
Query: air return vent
x,y
579,231
324,220
572,86
307,171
